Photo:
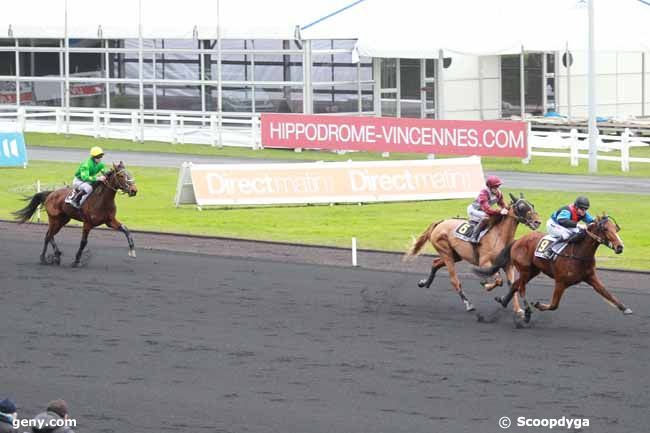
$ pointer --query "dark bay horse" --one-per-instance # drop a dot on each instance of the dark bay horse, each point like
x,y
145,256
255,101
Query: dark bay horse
x,y
452,249
575,264
98,209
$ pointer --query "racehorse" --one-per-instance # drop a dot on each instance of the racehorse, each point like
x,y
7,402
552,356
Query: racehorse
x,y
452,249
573,267
98,209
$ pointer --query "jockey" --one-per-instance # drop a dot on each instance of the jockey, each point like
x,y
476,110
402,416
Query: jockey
x,y
89,171
480,208
568,222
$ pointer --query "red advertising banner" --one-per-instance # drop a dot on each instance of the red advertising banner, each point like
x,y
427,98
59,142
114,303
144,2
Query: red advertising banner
x,y
388,134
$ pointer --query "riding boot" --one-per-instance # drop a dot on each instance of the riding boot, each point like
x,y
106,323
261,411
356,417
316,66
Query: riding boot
x,y
478,229
76,201
576,237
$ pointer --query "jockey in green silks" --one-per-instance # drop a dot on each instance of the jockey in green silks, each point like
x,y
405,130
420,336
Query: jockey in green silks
x,y
91,170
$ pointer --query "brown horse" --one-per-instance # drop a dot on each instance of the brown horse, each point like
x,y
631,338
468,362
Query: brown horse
x,y
569,268
98,209
452,249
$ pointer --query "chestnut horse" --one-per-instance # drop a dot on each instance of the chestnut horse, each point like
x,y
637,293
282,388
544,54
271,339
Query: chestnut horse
x,y
98,209
452,249
569,268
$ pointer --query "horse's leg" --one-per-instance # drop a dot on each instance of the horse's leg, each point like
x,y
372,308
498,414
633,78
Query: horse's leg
x,y
599,287
82,244
498,281
435,265
116,225
54,230
560,287
455,282
510,277
49,238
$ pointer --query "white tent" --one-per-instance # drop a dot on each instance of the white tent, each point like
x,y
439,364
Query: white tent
x,y
415,29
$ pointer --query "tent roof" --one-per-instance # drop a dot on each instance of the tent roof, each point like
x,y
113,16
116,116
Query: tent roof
x,y
382,28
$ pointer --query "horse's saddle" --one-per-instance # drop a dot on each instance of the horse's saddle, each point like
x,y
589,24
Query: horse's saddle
x,y
465,230
549,247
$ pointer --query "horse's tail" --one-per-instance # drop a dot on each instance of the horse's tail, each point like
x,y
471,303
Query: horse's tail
x,y
26,213
500,262
421,241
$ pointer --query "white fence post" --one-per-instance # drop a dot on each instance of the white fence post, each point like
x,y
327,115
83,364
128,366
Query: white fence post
x,y
220,128
172,124
59,120
134,126
21,119
182,124
107,122
573,146
529,155
213,129
96,123
254,132
625,150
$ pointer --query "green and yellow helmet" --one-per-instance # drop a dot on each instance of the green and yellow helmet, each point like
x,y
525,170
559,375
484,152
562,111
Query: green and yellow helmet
x,y
96,151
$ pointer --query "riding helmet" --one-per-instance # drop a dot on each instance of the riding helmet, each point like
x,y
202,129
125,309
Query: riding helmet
x,y
493,182
96,151
582,202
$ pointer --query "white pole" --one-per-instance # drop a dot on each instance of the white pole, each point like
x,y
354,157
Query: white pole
x,y
522,84
591,79
66,66
141,71
219,80
441,85
354,251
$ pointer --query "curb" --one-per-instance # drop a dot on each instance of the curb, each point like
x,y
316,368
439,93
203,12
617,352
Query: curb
x,y
294,244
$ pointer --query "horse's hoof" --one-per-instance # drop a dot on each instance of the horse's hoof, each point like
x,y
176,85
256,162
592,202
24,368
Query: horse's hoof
x,y
627,311
527,315
469,307
132,253
538,305
75,264
422,283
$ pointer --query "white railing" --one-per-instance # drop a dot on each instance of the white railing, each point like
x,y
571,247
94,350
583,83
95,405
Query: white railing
x,y
243,130
216,129
543,143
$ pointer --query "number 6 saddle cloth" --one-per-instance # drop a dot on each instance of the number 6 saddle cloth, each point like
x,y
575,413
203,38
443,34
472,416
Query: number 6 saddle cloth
x,y
466,228
549,247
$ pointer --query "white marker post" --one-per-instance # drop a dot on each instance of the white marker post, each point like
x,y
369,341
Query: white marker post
x,y
38,189
354,251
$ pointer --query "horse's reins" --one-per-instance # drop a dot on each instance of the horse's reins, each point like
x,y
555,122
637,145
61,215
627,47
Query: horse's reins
x,y
120,189
598,239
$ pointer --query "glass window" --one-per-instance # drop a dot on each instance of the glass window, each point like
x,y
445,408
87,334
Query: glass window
x,y
336,99
39,64
178,97
8,92
388,73
278,68
48,93
127,96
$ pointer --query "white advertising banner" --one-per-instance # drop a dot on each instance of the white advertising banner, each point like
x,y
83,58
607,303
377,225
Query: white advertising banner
x,y
334,182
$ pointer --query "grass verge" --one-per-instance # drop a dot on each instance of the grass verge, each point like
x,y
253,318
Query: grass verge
x,y
385,226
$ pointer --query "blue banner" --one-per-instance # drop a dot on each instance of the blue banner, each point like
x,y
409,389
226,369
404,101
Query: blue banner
x,y
12,149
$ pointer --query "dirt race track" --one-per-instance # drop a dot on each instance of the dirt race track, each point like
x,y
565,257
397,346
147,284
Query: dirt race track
x,y
293,340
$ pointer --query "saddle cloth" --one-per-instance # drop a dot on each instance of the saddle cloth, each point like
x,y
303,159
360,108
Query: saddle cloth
x,y
466,228
549,247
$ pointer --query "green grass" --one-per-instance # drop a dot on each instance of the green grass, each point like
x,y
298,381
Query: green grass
x,y
387,226
537,165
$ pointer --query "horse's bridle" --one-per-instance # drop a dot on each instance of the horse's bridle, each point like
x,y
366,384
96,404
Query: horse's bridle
x,y
520,219
122,188
603,241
